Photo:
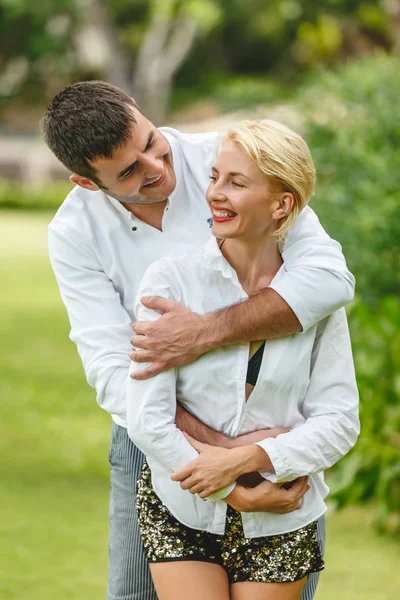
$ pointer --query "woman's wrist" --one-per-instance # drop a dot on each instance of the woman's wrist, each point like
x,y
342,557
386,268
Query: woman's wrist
x,y
237,498
252,458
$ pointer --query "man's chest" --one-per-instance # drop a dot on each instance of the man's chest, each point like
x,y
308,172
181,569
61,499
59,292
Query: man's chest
x,y
126,249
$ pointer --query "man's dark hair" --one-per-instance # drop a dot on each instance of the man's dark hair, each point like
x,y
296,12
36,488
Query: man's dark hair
x,y
85,121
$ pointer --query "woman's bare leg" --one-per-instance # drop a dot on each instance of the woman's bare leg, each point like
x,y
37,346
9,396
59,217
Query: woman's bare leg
x,y
248,590
181,580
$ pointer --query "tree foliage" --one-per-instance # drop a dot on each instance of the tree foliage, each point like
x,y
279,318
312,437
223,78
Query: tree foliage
x,y
45,45
34,36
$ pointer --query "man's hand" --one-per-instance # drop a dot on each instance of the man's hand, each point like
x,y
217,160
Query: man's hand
x,y
268,497
214,469
176,338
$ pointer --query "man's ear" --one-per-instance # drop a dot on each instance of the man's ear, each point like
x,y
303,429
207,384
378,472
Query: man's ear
x,y
84,182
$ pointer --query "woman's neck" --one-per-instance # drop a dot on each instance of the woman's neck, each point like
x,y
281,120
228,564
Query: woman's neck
x,y
256,261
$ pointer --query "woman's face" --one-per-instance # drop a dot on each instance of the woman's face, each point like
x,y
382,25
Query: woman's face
x,y
241,201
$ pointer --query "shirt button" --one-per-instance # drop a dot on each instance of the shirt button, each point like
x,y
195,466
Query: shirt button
x,y
134,228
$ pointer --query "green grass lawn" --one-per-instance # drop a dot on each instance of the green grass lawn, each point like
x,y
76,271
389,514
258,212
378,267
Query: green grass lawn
x,y
54,444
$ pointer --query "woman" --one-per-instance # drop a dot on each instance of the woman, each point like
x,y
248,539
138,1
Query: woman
x,y
261,180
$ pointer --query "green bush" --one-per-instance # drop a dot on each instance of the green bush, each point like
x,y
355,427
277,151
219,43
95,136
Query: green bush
x,y
372,469
46,197
352,124
353,129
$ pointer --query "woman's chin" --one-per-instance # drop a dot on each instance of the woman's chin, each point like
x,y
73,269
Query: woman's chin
x,y
221,232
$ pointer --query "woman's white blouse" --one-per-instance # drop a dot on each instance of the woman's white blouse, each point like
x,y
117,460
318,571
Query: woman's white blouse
x,y
306,382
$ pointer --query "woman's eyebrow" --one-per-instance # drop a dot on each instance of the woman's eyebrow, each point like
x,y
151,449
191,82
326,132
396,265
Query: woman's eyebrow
x,y
232,173
237,174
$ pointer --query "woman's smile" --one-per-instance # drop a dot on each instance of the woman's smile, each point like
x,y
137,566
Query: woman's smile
x,y
220,215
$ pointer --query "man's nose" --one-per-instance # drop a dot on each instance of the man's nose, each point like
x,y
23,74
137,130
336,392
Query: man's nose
x,y
152,165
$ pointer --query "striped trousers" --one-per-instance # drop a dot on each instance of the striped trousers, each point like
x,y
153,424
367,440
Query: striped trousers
x,y
128,573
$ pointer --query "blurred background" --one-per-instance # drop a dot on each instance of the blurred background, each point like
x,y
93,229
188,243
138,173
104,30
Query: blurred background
x,y
329,69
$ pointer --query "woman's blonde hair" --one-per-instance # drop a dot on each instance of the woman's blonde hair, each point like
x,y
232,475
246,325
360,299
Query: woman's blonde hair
x,y
283,156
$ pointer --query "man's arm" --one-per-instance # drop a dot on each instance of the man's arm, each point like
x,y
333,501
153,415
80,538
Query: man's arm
x,y
181,336
185,421
100,326
315,284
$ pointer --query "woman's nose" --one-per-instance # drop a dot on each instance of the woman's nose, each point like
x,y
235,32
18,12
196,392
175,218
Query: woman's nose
x,y
216,193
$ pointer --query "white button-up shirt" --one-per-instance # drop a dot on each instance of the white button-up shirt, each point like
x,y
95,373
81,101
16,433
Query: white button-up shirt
x,y
306,382
99,252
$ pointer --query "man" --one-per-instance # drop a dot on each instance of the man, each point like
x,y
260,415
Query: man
x,y
140,195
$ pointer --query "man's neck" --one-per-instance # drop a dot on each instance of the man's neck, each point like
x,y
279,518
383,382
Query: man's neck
x,y
152,214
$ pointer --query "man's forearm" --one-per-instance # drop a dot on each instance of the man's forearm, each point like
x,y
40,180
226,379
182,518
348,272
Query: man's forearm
x,y
201,432
264,316
198,430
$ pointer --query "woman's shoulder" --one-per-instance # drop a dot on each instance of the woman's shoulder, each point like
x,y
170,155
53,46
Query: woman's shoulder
x,y
176,274
170,266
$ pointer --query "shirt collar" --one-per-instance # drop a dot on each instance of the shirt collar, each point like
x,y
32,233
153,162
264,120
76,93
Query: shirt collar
x,y
213,259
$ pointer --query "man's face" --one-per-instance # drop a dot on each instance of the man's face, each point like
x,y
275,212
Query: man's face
x,y
140,171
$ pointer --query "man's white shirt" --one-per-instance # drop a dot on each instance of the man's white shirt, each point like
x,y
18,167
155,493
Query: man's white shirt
x,y
99,252
306,382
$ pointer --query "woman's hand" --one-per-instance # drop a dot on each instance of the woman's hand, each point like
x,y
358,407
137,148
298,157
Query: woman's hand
x,y
268,497
214,469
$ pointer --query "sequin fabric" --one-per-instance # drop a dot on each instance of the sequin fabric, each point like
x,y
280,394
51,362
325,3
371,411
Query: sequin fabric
x,y
274,559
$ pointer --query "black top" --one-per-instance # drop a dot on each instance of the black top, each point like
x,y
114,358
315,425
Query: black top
x,y
254,366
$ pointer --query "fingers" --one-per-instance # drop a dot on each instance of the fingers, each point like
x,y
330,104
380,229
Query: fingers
x,y
139,341
298,489
162,305
199,446
142,327
150,371
295,495
205,493
141,356
197,488
275,498
182,474
189,484
192,485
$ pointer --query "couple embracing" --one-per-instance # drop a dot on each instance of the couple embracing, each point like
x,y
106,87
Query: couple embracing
x,y
242,387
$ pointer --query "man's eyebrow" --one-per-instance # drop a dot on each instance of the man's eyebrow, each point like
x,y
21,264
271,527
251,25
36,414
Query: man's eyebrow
x,y
132,166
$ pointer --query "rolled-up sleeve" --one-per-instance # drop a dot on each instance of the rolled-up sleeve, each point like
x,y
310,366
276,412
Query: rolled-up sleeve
x,y
151,404
330,408
317,280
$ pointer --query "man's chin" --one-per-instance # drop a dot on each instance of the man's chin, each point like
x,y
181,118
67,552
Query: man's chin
x,y
142,201
136,199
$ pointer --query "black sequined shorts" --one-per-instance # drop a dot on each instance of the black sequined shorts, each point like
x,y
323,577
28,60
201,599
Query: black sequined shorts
x,y
273,559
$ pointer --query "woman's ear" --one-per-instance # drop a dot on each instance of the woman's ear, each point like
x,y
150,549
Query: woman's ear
x,y
286,203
